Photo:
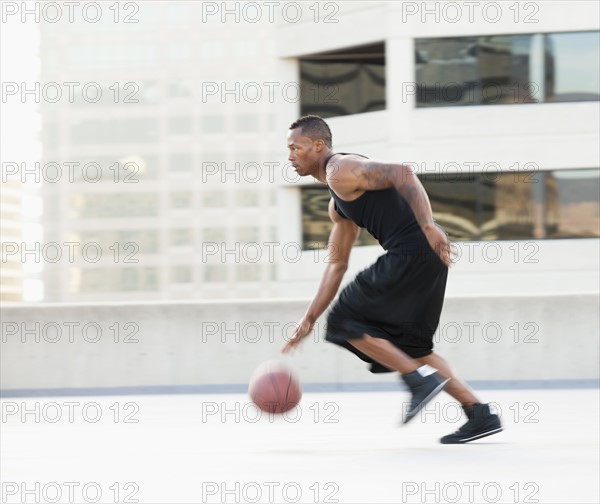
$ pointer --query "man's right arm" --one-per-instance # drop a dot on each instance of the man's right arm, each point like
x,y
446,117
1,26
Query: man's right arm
x,y
342,238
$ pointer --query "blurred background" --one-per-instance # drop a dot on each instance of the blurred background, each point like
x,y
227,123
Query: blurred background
x,y
144,152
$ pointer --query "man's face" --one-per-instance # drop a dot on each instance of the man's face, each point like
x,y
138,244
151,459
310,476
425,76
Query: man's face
x,y
304,152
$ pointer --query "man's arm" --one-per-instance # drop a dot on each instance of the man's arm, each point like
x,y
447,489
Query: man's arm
x,y
354,176
341,239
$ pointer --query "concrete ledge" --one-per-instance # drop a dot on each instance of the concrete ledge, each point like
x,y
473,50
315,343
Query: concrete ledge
x,y
149,346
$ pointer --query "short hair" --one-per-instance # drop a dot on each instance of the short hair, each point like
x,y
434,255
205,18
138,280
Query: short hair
x,y
315,128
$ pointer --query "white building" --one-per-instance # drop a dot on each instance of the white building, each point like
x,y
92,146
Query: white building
x,y
529,205
209,209
157,176
11,222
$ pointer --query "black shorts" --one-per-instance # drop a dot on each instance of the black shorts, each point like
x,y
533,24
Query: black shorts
x,y
399,298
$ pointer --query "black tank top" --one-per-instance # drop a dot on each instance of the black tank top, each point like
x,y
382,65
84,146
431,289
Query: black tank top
x,y
386,215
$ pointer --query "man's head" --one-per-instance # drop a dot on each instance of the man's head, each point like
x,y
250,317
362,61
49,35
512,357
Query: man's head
x,y
309,141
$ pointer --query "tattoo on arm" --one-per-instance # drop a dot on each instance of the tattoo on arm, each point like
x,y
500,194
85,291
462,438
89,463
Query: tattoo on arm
x,y
409,193
376,175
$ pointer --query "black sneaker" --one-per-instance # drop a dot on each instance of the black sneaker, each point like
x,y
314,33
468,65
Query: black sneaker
x,y
423,388
482,422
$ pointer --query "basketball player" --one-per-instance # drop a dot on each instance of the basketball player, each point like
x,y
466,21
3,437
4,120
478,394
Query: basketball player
x,y
388,315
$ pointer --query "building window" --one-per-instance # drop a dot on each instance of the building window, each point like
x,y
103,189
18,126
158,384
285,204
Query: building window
x,y
518,206
246,123
246,198
248,273
572,204
215,273
149,93
343,82
248,234
506,69
214,235
213,124
181,274
180,125
455,203
147,167
115,169
490,206
127,130
107,206
116,279
575,73
316,224
124,243
214,199
180,163
180,89
113,56
181,237
181,199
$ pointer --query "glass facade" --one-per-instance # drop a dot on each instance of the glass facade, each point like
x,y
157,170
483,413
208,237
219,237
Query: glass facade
x,y
124,241
502,206
507,69
576,69
118,131
181,237
114,206
180,162
113,278
316,224
344,82
180,125
472,70
484,70
181,274
248,272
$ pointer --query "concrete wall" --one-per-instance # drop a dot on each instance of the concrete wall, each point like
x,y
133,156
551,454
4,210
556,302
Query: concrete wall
x,y
209,343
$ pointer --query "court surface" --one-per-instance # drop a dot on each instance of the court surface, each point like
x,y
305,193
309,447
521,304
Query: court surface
x,y
344,447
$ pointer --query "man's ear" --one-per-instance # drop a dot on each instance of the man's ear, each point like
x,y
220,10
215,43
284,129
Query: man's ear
x,y
319,144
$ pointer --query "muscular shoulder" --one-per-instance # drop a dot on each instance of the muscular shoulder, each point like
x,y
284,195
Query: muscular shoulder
x,y
350,176
341,173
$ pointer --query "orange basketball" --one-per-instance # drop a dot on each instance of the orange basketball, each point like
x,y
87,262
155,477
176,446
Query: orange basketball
x,y
274,388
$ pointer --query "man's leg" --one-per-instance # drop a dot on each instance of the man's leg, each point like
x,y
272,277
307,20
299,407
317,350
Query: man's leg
x,y
482,422
385,353
457,389
424,383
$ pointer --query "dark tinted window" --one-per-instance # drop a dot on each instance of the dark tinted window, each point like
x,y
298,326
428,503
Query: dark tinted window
x,y
507,69
343,82
530,204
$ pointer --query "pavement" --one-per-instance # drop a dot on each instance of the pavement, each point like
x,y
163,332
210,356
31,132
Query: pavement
x,y
342,447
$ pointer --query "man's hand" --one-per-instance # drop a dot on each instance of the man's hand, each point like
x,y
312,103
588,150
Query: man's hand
x,y
304,328
438,241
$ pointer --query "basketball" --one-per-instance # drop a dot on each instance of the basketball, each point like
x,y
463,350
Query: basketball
x,y
274,388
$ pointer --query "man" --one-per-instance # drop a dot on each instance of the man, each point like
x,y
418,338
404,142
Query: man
x,y
387,316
